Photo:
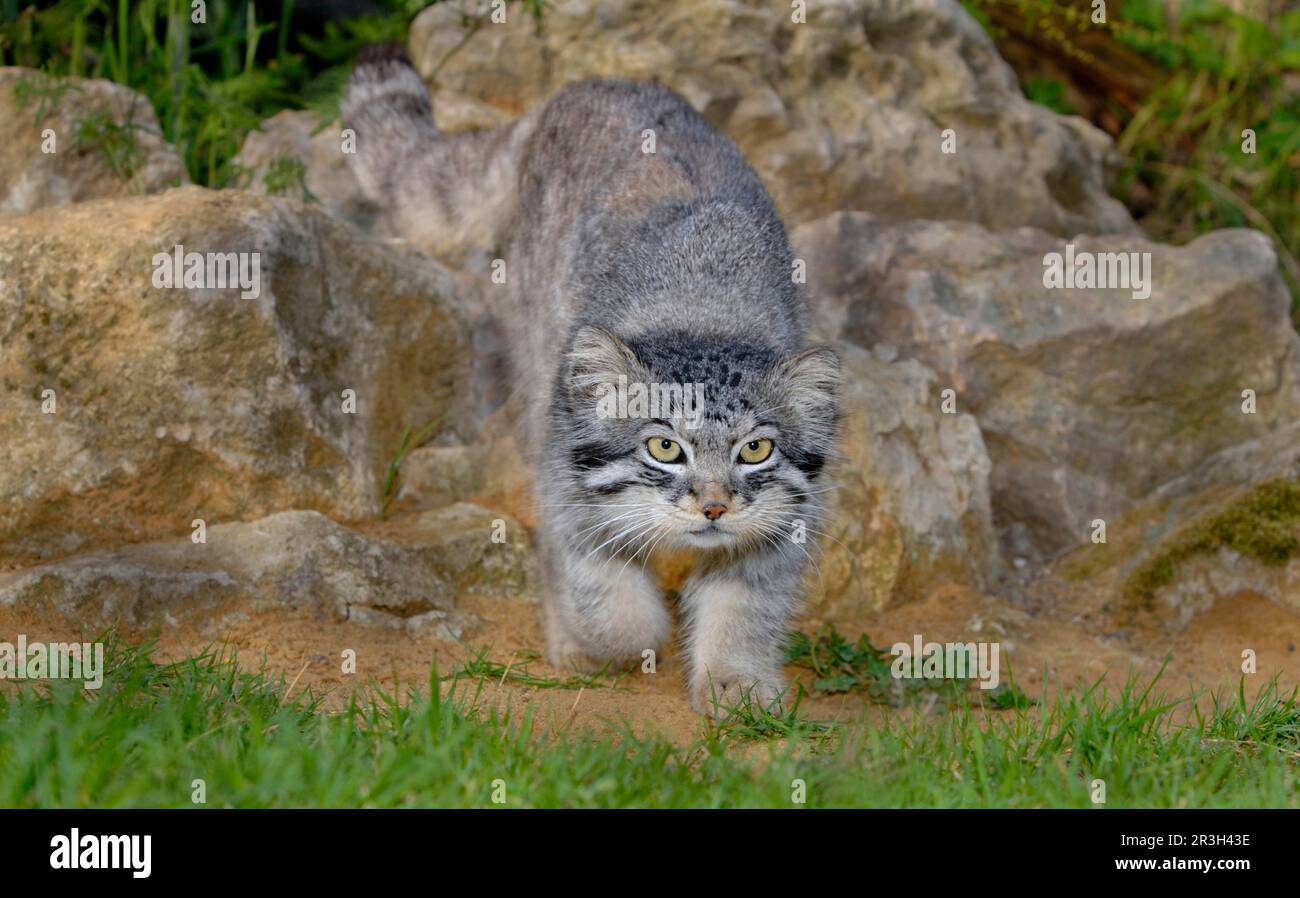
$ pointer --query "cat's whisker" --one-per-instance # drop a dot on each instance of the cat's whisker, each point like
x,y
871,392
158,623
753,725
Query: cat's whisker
x,y
643,536
824,535
775,532
636,519
639,525
653,545
589,539
826,488
649,543
605,522
592,505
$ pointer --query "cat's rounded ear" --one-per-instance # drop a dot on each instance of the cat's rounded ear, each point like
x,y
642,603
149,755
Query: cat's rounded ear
x,y
810,381
598,357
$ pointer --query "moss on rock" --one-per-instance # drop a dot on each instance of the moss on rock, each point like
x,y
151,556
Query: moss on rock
x,y
1263,524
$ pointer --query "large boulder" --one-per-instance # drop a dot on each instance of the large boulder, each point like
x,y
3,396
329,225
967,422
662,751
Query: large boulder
x,y
910,500
290,560
1089,399
66,140
131,409
844,111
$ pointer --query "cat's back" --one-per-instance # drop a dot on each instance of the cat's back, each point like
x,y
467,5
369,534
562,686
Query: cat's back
x,y
630,201
603,136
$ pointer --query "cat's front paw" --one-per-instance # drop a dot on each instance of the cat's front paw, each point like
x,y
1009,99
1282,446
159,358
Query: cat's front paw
x,y
718,697
564,652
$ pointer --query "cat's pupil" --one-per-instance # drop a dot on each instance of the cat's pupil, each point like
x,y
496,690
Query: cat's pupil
x,y
665,445
753,446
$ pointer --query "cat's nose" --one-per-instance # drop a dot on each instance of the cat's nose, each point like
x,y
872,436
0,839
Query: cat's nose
x,y
714,510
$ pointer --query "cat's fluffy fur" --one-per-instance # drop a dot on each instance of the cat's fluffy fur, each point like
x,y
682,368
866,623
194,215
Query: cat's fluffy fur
x,y
669,267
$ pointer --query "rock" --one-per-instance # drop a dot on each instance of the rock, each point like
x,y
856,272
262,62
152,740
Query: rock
x,y
171,405
493,466
407,578
911,503
437,475
845,111
294,559
1175,558
1201,582
479,551
1274,454
296,144
106,142
1088,399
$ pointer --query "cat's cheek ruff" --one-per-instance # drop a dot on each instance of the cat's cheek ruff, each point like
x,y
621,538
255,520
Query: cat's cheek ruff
x,y
595,455
658,477
625,473
611,478
609,489
786,477
753,484
810,463
785,474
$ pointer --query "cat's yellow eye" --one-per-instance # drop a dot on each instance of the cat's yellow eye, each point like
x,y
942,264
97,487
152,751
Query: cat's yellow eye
x,y
756,451
664,450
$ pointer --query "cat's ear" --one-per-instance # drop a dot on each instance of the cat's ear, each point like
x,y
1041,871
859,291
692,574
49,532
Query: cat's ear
x,y
810,382
599,357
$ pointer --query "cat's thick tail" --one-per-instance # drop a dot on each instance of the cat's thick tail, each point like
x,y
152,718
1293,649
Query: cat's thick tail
x,y
448,193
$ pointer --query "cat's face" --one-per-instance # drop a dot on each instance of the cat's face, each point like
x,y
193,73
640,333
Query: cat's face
x,y
709,444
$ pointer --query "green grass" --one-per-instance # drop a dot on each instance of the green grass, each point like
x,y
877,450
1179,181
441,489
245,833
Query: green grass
x,y
410,441
839,665
1048,92
288,175
517,671
47,93
210,83
1226,73
154,728
750,720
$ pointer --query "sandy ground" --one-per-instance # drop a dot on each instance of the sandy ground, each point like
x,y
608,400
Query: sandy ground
x,y
1047,628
